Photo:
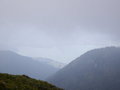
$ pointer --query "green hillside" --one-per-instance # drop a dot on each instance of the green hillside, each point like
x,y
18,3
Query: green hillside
x,y
23,82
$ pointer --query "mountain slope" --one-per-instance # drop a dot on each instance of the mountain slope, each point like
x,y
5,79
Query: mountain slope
x,y
13,63
22,82
97,69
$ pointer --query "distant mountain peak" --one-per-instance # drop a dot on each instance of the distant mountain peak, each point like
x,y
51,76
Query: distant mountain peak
x,y
13,63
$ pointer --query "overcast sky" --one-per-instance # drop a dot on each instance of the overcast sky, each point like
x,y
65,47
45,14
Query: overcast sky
x,y
58,29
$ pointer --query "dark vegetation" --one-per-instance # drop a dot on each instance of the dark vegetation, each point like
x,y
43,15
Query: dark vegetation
x,y
23,82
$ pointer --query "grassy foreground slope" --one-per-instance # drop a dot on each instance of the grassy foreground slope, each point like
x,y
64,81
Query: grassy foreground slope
x,y
23,82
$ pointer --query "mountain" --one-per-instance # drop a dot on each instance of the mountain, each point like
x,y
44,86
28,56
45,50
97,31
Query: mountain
x,y
23,82
51,62
14,63
98,69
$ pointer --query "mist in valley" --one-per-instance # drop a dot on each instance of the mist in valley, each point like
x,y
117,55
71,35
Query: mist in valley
x,y
73,44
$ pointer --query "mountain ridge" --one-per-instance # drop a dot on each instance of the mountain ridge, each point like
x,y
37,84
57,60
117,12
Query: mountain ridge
x,y
97,69
13,63
23,82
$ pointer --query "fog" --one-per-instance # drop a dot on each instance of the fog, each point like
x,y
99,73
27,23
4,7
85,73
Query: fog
x,y
58,29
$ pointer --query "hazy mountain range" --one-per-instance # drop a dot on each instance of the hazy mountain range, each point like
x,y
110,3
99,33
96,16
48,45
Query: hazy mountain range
x,y
51,62
13,63
98,69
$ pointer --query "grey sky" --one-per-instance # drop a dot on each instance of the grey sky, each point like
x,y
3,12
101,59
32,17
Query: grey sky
x,y
58,29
